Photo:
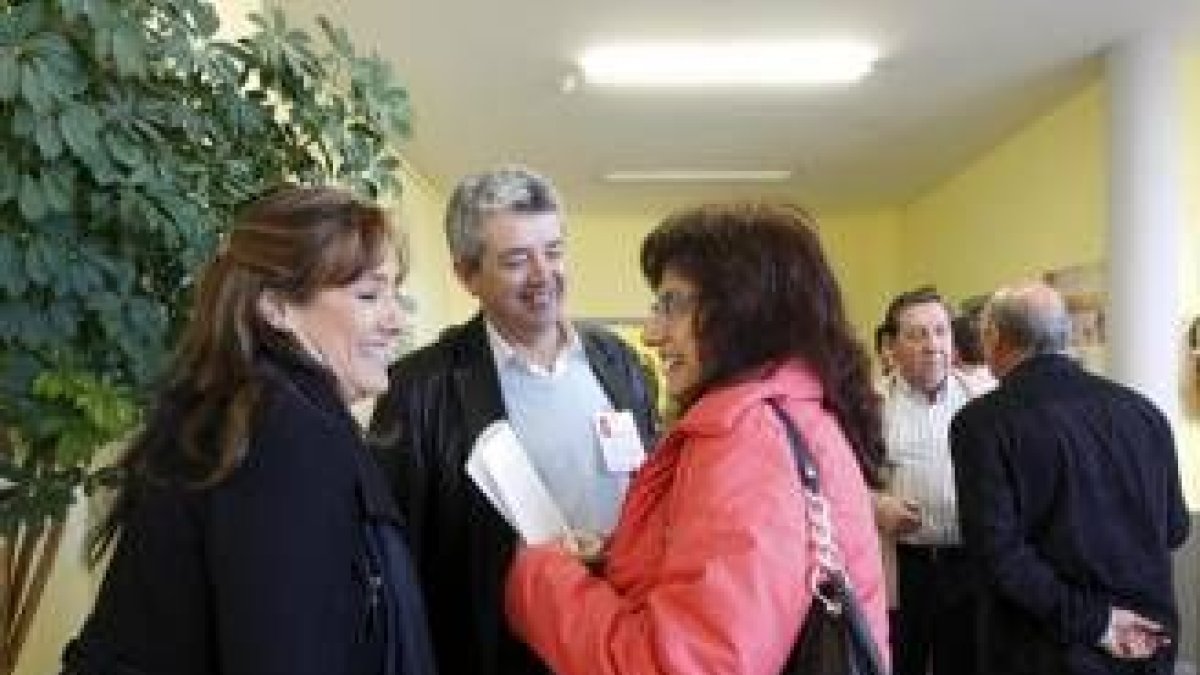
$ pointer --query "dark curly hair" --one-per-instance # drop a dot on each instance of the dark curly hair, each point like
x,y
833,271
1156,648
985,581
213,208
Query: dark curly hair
x,y
766,293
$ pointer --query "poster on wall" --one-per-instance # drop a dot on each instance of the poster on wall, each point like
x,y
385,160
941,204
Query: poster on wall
x,y
1083,288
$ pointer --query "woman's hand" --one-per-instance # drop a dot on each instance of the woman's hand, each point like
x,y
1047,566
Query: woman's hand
x,y
588,547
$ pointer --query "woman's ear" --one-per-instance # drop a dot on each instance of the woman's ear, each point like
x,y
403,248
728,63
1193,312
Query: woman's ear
x,y
273,310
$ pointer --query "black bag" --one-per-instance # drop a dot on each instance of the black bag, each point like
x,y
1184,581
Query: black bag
x,y
834,638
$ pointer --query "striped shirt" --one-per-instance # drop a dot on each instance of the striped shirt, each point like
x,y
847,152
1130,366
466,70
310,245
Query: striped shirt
x,y
917,435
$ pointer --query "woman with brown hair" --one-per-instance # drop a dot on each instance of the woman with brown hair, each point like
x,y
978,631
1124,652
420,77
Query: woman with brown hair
x,y
708,568
253,532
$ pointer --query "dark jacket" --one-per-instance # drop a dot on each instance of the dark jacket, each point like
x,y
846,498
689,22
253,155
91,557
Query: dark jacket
x,y
440,398
1071,500
268,572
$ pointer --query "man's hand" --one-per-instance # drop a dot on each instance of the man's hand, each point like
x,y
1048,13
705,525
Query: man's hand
x,y
1132,636
895,516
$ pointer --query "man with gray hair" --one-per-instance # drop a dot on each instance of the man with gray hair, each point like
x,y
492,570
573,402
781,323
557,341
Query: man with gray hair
x,y
1071,501
559,385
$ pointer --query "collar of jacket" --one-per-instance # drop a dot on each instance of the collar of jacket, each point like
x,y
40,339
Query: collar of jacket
x,y
319,388
1038,364
478,383
717,411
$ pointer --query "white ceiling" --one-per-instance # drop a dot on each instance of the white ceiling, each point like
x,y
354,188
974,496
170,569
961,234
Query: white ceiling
x,y
957,76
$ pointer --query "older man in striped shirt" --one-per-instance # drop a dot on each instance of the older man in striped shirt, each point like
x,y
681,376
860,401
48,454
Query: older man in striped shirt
x,y
934,631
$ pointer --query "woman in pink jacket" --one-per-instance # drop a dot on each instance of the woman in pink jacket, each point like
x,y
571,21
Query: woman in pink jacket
x,y
706,571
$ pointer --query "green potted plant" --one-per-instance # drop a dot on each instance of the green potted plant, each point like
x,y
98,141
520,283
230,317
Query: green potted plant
x,y
130,133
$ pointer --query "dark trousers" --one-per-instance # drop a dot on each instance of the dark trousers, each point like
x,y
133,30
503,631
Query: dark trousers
x,y
938,612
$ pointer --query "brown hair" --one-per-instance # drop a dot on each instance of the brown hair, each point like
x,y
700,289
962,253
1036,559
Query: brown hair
x,y
766,293
293,242
921,295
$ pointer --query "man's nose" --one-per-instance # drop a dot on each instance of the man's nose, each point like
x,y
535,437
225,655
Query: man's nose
x,y
540,268
934,346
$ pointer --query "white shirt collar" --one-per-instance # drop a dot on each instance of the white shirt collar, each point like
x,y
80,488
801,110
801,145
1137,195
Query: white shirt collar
x,y
508,355
953,379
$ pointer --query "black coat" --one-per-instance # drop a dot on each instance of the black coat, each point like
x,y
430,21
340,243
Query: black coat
x,y
441,398
1071,500
267,573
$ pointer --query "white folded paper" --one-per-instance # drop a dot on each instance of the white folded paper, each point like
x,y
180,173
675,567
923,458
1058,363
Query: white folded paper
x,y
501,469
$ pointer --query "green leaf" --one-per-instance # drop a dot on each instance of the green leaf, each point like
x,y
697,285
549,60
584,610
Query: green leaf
x,y
33,89
10,181
85,278
102,42
142,174
31,329
76,444
80,126
207,20
63,318
123,149
37,266
106,305
10,272
24,123
128,52
10,73
30,199
123,275
9,321
58,186
72,8
26,19
58,64
49,141
103,170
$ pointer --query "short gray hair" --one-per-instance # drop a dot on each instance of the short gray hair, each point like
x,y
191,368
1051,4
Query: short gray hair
x,y
509,188
1033,319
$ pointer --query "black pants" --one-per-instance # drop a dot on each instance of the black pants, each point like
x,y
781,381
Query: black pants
x,y
938,612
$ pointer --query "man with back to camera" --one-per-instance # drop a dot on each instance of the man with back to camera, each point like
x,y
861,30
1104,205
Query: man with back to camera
x,y
518,359
1071,502
933,621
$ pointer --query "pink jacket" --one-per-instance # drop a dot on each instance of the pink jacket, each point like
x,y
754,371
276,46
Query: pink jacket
x,y
706,568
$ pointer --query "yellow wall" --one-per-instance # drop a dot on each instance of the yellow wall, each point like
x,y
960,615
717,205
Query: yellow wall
x,y
1038,201
862,249
1035,202
606,279
605,275
440,299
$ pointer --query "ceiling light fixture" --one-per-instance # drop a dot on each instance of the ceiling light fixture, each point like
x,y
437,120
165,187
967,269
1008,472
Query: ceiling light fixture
x,y
699,176
754,63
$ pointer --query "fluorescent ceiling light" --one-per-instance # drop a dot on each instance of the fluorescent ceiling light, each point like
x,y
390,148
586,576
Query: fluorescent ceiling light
x,y
699,176
758,63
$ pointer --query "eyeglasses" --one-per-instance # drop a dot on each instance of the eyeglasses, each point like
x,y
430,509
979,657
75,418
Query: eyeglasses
x,y
672,305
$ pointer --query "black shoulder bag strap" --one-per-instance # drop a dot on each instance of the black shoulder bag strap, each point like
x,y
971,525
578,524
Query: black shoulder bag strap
x,y
830,585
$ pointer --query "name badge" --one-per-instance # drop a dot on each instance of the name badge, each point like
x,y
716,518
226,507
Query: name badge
x,y
619,440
